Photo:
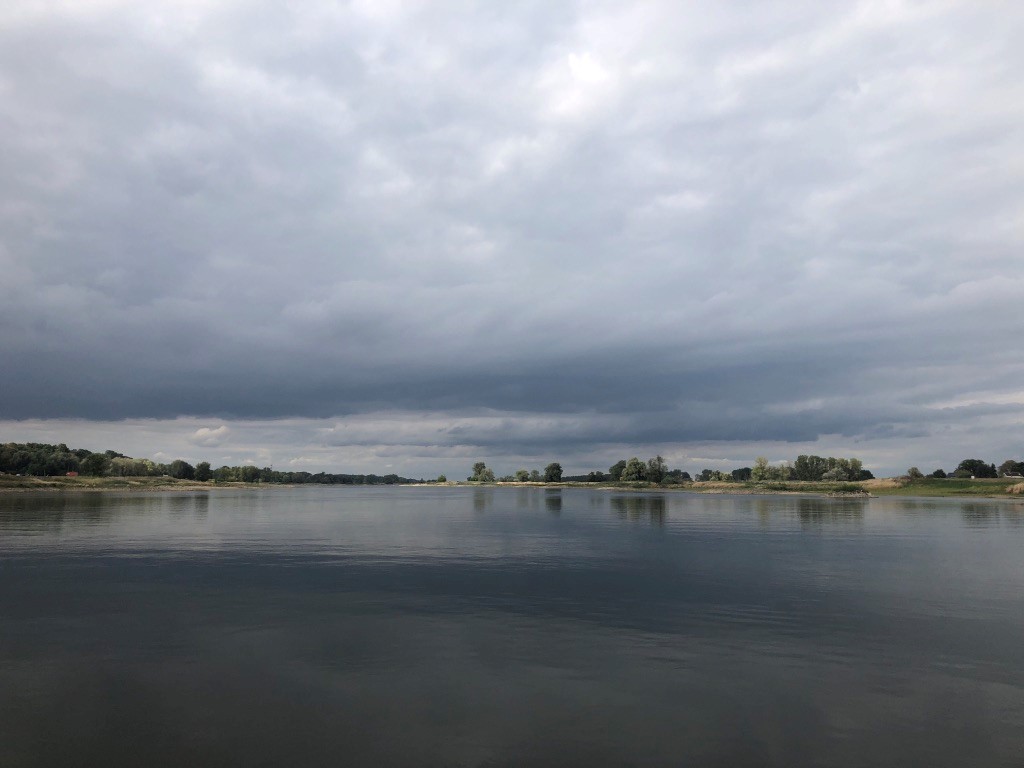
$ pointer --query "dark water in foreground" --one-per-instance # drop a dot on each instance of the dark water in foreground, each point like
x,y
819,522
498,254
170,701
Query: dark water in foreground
x,y
445,627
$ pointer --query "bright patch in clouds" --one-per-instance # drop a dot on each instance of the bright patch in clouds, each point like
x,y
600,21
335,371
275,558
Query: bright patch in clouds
x,y
347,237
206,437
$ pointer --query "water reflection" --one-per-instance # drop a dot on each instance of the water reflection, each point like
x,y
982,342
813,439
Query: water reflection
x,y
39,512
633,507
526,498
913,505
482,498
191,506
821,512
295,627
987,515
553,500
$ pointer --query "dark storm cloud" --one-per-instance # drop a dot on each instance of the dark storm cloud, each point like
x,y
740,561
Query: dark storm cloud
x,y
665,223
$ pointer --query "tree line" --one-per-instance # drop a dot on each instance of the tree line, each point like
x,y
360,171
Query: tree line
x,y
45,460
483,474
975,468
655,470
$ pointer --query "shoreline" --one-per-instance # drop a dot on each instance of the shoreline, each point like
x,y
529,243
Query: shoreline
x,y
100,484
14,484
34,484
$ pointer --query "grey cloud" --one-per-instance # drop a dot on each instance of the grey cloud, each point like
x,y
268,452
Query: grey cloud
x,y
210,437
674,223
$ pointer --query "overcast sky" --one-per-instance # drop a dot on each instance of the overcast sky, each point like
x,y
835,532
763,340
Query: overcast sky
x,y
403,237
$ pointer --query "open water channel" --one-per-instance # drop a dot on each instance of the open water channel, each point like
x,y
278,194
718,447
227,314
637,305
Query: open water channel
x,y
442,626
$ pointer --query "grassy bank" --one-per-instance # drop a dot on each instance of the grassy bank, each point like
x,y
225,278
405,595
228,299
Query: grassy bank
x,y
927,486
948,486
28,483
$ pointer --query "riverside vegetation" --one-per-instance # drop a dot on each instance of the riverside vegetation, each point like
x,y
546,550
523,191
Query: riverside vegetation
x,y
79,467
42,465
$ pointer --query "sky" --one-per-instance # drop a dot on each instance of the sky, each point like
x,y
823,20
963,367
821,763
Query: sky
x,y
407,236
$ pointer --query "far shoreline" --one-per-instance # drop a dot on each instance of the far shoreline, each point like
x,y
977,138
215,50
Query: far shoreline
x,y
960,488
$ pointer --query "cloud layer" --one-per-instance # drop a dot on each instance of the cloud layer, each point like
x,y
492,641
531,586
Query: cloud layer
x,y
535,230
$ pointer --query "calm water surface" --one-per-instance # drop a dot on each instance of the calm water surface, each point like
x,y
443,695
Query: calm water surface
x,y
508,626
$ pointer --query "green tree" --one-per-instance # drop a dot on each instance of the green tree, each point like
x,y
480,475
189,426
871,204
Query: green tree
x,y
522,475
481,474
760,471
616,470
715,475
677,476
95,464
656,469
182,470
123,467
1011,467
634,471
914,473
553,472
226,474
974,468
809,467
939,473
203,472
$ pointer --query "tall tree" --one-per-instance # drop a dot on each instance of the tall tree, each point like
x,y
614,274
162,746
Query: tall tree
x,y
974,468
1011,467
809,467
182,470
95,464
656,469
481,474
760,469
634,471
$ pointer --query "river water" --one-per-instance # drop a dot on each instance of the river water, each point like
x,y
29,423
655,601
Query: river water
x,y
443,626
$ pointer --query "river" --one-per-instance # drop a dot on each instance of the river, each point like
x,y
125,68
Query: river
x,y
456,626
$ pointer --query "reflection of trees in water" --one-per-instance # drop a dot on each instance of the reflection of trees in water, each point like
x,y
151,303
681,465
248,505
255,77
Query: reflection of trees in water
x,y
975,514
980,515
830,511
810,511
482,498
31,512
553,500
526,498
763,508
193,505
639,507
